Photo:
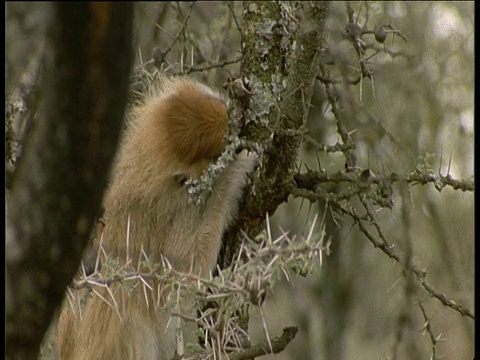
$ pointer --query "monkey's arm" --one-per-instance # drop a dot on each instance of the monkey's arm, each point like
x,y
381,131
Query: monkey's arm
x,y
221,208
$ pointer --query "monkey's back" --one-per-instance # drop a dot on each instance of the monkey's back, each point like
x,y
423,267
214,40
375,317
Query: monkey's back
x,y
175,134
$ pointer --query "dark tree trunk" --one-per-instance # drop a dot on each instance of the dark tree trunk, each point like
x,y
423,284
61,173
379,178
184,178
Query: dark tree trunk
x,y
59,182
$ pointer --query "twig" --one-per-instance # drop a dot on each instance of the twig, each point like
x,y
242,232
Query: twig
x,y
428,329
212,66
180,31
388,250
421,275
311,178
278,345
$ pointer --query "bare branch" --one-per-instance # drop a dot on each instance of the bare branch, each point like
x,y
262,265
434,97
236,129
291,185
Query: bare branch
x,y
428,328
421,275
382,245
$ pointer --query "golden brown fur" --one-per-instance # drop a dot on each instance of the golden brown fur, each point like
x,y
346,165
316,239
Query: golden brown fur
x,y
178,131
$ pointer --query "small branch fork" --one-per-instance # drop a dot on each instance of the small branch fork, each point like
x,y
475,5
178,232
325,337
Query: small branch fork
x,y
304,182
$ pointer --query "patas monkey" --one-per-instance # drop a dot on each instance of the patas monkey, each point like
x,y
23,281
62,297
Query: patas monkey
x,y
175,134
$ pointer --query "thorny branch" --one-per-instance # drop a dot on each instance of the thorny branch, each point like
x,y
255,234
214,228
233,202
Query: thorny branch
x,y
362,221
179,33
311,179
428,328
332,99
421,275
247,281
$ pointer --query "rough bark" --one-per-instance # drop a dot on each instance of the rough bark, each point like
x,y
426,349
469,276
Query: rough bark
x,y
281,43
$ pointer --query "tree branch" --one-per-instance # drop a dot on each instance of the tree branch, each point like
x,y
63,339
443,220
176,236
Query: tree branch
x,y
310,179
278,345
383,246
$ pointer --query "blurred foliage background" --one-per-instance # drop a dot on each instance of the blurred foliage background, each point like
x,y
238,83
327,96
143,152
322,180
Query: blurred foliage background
x,y
418,113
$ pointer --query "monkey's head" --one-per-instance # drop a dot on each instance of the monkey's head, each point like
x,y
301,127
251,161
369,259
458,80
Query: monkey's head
x,y
180,127
196,119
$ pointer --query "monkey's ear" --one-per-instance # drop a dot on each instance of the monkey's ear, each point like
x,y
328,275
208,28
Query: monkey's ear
x,y
180,178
